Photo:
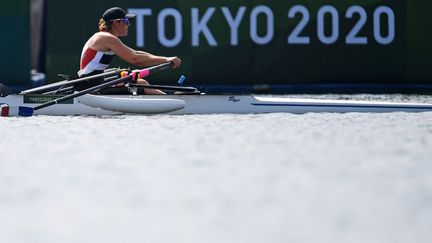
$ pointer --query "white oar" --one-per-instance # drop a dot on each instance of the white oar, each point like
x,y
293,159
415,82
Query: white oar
x,y
71,82
70,88
28,111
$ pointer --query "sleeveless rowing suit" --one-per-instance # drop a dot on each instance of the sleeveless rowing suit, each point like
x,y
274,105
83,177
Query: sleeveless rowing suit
x,y
93,62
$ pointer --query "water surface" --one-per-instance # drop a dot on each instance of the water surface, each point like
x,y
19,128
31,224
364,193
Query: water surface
x,y
355,177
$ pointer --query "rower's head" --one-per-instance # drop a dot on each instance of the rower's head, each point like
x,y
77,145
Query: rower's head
x,y
116,21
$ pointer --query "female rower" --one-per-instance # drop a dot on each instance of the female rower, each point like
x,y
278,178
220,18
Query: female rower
x,y
98,51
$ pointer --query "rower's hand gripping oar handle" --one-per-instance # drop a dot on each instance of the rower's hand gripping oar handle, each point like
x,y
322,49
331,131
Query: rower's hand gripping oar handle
x,y
137,74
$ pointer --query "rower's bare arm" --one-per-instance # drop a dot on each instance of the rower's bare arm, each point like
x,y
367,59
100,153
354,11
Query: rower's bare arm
x,y
139,58
175,60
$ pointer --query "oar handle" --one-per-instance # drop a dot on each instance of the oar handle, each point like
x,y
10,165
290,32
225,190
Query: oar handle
x,y
147,71
160,67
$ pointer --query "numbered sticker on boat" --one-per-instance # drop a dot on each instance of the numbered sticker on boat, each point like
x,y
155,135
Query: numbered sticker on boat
x,y
38,99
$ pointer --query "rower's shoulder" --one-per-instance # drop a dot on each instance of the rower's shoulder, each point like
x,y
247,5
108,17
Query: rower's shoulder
x,y
103,39
103,35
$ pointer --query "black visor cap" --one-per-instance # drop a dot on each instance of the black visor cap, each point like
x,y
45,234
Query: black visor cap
x,y
116,13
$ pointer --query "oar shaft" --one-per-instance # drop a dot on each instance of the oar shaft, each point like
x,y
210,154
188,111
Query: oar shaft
x,y
70,88
83,92
163,87
71,82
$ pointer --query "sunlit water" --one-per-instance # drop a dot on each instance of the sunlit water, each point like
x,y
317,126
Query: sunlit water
x,y
356,177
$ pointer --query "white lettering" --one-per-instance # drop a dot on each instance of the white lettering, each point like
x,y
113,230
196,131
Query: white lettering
x,y
254,26
140,13
295,37
178,31
327,9
384,40
261,25
234,23
352,37
200,26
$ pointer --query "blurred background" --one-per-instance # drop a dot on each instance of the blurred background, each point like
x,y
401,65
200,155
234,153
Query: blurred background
x,y
269,46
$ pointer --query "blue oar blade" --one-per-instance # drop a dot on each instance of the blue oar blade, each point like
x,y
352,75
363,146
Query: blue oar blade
x,y
25,111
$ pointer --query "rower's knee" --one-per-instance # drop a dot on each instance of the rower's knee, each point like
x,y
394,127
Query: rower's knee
x,y
142,81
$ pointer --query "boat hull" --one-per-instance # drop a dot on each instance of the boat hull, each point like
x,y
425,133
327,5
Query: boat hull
x,y
242,104
208,104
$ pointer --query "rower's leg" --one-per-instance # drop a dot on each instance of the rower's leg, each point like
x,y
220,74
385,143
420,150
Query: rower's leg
x,y
150,91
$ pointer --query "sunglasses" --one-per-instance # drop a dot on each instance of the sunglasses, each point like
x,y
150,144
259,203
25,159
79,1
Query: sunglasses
x,y
124,21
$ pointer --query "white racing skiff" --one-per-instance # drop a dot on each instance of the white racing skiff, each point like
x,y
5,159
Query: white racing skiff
x,y
60,99
198,104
